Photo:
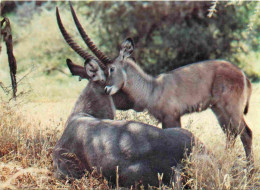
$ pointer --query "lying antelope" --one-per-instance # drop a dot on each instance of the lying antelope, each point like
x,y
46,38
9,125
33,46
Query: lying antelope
x,y
92,139
219,85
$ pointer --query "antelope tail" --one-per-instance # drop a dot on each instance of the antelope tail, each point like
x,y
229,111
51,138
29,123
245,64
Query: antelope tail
x,y
249,91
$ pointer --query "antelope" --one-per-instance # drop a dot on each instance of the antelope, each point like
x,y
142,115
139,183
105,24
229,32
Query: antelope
x,y
91,139
215,84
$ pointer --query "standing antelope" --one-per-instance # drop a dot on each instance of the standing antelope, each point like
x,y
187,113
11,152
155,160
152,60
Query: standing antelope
x,y
219,85
90,139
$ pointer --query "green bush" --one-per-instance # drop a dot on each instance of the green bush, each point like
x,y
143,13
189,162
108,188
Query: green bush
x,y
173,34
38,41
167,34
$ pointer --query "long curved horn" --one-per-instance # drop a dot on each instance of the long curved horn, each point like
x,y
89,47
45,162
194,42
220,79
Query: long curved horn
x,y
73,44
100,55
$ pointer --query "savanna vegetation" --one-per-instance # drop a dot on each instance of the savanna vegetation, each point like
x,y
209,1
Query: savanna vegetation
x,y
167,35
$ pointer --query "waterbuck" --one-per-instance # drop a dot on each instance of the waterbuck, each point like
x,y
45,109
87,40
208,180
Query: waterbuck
x,y
214,84
91,139
219,85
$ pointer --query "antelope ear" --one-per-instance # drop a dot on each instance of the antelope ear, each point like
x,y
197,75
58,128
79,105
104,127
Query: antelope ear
x,y
91,67
127,48
94,71
77,70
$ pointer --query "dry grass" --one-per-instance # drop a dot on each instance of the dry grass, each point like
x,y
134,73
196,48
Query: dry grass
x,y
29,131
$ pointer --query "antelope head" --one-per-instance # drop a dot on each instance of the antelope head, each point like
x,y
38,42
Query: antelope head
x,y
92,65
117,77
114,70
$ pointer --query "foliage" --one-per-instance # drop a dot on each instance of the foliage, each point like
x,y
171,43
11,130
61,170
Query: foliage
x,y
41,51
167,34
172,34
39,42
247,49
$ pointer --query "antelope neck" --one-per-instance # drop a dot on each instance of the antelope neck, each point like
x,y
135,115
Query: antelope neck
x,y
139,85
90,100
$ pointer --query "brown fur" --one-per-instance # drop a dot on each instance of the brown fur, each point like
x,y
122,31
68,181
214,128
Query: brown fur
x,y
217,84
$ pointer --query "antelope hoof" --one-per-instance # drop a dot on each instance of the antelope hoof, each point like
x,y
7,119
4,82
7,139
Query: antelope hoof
x,y
111,90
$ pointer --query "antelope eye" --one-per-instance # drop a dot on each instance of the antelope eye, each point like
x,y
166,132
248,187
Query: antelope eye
x,y
112,69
